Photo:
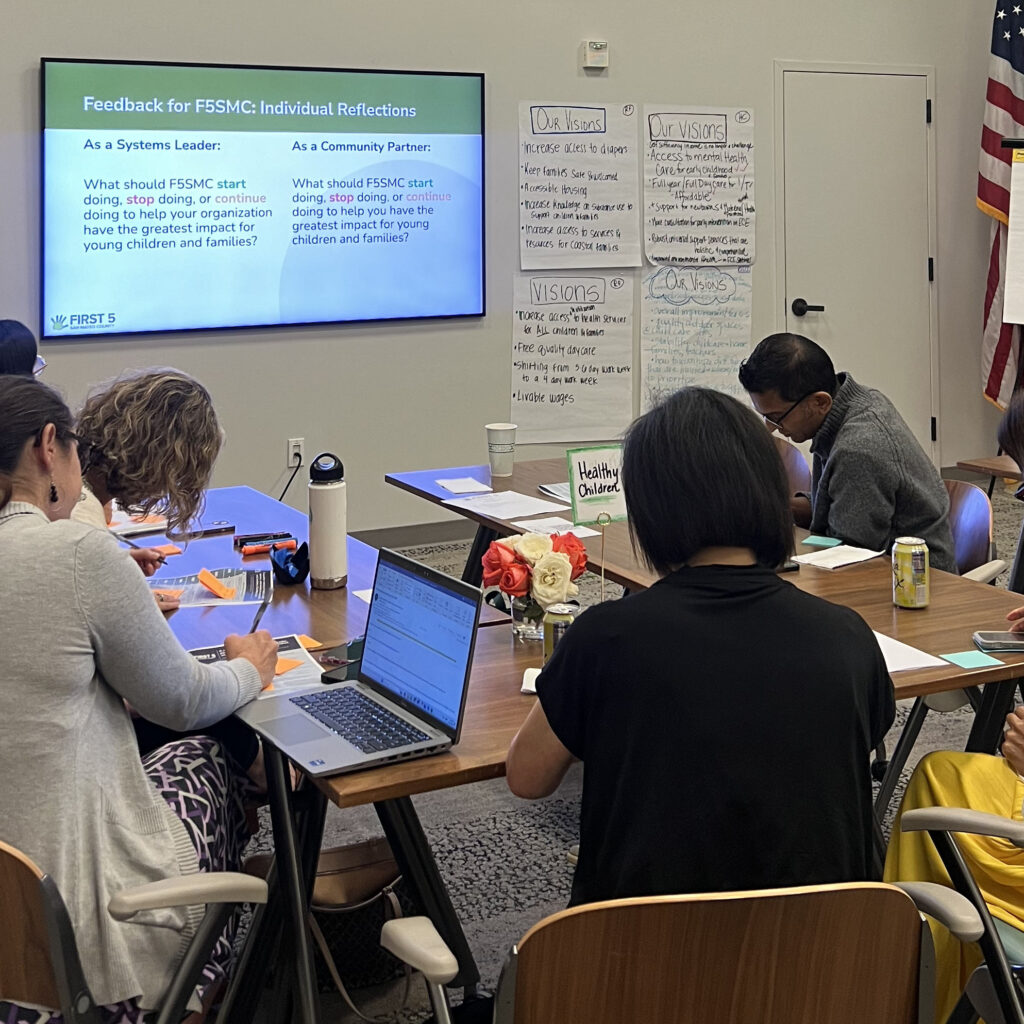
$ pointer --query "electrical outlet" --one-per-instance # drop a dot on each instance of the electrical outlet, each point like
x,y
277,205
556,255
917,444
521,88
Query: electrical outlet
x,y
296,451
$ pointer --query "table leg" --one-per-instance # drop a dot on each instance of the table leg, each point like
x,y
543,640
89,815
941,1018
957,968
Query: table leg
x,y
474,571
267,944
412,852
987,730
292,884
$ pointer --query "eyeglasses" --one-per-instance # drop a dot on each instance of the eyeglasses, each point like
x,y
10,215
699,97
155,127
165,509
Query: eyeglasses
x,y
84,449
776,421
39,366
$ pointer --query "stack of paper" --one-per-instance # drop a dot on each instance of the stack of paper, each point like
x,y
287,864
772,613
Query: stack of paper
x,y
834,558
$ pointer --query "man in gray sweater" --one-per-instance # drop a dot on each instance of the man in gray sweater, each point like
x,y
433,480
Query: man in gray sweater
x,y
871,481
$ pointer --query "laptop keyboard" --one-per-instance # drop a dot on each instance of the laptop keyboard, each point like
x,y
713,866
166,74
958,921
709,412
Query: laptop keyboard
x,y
361,721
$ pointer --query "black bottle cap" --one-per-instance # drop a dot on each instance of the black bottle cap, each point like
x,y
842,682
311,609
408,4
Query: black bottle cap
x,y
326,468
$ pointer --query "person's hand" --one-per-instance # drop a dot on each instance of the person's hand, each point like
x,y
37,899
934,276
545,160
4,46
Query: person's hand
x,y
166,602
1013,740
147,559
259,648
1016,620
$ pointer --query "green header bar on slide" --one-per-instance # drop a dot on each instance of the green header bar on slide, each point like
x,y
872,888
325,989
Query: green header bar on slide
x,y
157,97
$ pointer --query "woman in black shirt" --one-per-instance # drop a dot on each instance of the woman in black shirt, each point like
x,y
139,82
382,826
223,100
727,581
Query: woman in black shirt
x,y
724,717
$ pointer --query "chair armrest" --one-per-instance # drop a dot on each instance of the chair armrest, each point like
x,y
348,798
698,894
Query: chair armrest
x,y
415,941
187,890
986,573
960,819
947,906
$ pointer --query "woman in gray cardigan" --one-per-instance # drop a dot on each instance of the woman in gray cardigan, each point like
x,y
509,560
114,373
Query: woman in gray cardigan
x,y
80,635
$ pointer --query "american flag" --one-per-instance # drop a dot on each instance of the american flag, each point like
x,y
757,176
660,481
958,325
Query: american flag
x,y
1004,118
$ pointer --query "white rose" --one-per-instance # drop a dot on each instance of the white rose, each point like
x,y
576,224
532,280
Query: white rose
x,y
532,547
512,542
552,579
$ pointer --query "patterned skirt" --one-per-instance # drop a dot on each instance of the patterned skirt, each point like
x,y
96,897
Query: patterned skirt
x,y
206,790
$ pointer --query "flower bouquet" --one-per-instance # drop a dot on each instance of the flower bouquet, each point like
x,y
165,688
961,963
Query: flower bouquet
x,y
535,571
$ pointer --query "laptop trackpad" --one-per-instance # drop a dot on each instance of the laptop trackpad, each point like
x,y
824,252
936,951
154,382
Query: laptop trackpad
x,y
293,729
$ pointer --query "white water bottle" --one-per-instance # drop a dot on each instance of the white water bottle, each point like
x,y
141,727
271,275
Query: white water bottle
x,y
328,552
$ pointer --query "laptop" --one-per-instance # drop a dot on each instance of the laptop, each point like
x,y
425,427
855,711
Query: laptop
x,y
409,697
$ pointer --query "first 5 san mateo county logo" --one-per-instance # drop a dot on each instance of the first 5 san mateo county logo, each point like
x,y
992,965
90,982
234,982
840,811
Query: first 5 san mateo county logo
x,y
81,321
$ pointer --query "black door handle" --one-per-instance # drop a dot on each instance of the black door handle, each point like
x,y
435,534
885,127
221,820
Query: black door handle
x,y
800,307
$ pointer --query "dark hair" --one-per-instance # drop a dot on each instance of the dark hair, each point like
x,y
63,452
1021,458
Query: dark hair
x,y
699,470
790,364
1011,428
26,406
17,348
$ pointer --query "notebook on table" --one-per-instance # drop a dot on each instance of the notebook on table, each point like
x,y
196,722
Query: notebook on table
x,y
410,694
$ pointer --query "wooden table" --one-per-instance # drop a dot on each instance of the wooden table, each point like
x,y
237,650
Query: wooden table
x,y
996,465
494,712
958,607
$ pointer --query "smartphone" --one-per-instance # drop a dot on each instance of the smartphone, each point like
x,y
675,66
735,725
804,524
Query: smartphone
x,y
789,566
999,641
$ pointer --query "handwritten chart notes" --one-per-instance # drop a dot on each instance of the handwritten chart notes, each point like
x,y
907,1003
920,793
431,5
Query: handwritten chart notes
x,y
698,185
578,186
695,329
572,356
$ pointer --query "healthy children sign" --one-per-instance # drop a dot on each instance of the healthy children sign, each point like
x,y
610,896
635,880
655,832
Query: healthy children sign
x,y
595,485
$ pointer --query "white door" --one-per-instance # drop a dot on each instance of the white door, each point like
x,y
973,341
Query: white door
x,y
856,220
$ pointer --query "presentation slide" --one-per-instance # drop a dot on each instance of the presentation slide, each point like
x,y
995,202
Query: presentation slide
x,y
181,196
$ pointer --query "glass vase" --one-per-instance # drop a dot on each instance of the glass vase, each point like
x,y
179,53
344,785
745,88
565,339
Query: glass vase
x,y
527,620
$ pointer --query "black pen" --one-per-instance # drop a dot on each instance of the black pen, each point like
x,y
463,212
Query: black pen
x,y
259,615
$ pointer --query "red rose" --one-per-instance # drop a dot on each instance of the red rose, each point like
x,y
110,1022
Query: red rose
x,y
569,544
515,580
495,560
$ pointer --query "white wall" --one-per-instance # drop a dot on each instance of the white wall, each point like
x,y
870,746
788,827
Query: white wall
x,y
410,396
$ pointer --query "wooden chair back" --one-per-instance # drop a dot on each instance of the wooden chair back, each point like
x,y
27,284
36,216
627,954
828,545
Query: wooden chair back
x,y
845,954
26,971
970,522
797,470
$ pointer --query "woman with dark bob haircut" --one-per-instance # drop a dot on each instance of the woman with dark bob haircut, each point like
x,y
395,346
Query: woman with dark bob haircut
x,y
724,717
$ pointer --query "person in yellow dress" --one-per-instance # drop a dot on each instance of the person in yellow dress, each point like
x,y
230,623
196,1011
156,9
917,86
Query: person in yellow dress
x,y
983,783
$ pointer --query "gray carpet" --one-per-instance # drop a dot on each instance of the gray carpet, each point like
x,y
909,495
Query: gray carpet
x,y
504,860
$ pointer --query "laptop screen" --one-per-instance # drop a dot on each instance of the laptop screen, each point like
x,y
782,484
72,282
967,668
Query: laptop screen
x,y
419,638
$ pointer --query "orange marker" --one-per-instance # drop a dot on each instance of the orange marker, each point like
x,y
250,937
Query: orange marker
x,y
263,549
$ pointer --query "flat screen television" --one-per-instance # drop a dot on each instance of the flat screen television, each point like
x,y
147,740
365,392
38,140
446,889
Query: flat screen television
x,y
190,196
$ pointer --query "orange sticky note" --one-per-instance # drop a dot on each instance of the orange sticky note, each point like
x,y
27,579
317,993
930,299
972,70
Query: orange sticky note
x,y
168,593
286,665
308,642
214,585
150,519
168,549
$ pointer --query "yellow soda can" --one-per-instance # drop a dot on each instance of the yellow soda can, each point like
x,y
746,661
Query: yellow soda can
x,y
910,582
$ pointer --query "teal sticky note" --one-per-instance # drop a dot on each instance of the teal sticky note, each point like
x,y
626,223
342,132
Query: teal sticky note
x,y
971,659
821,542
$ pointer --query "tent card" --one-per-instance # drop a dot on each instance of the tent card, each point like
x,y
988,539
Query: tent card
x,y
595,484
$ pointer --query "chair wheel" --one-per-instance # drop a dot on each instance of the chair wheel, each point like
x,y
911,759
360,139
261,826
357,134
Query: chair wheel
x,y
878,770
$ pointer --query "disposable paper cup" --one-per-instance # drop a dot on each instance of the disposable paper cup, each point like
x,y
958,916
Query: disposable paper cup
x,y
501,447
